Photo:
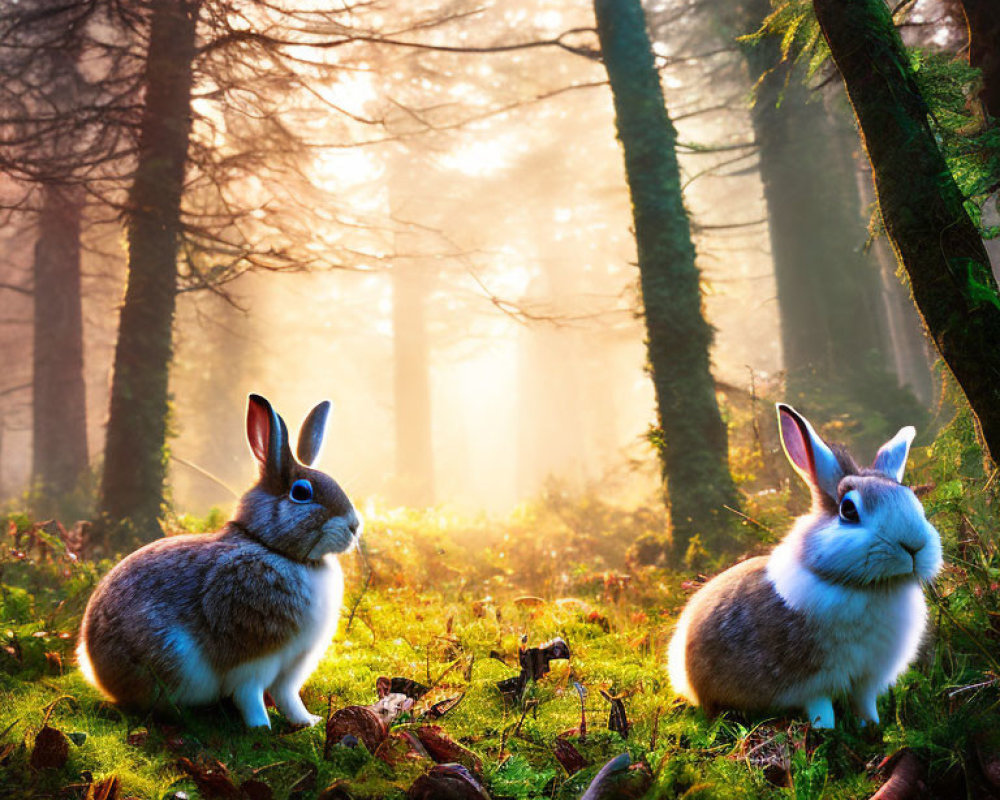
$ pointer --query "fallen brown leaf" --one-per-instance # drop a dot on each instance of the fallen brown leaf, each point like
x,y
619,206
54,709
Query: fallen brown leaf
x,y
444,750
358,721
567,755
108,789
51,749
211,777
906,774
447,782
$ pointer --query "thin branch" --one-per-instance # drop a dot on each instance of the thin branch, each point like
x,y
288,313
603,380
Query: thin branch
x,y
204,472
13,389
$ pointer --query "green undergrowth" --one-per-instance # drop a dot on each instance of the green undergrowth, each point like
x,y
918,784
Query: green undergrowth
x,y
450,601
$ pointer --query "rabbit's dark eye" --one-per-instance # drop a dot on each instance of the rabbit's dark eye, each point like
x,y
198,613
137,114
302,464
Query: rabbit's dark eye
x,y
849,509
302,491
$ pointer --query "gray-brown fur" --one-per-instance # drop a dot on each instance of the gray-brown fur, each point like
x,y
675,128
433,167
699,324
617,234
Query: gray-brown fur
x,y
179,618
230,593
836,607
259,513
744,645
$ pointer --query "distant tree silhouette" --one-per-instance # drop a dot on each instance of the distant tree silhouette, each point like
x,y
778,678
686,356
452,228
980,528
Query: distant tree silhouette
x,y
923,209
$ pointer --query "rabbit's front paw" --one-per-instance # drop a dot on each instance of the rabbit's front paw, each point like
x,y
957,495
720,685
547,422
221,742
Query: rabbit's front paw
x,y
305,722
286,697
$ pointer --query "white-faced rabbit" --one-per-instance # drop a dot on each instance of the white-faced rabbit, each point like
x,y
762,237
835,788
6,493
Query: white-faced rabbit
x,y
188,620
836,609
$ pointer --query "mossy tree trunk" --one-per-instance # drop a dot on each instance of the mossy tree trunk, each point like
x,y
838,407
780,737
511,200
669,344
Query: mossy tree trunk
x,y
828,292
135,451
58,403
59,407
694,451
922,207
983,19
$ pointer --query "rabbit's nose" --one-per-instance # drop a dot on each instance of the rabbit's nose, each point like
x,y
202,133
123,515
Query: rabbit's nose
x,y
909,548
354,524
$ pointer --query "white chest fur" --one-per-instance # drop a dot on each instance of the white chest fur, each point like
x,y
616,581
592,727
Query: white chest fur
x,y
326,588
294,662
868,637
290,666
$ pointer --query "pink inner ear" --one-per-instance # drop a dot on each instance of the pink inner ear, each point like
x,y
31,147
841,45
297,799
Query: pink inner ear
x,y
794,439
258,430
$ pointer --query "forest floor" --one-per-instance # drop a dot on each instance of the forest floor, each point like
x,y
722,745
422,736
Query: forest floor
x,y
451,604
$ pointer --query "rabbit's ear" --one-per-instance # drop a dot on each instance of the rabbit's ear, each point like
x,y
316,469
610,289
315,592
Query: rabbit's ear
x,y
268,439
891,457
311,434
808,453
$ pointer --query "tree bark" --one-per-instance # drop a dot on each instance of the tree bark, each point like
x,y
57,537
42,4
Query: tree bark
x,y
694,451
912,353
59,408
983,19
932,235
135,453
827,290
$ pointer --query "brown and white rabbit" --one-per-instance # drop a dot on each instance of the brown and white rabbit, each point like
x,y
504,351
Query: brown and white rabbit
x,y
188,620
837,608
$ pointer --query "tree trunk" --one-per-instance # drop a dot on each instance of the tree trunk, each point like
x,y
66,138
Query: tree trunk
x,y
933,237
827,289
135,452
59,408
912,353
552,424
411,383
983,19
694,449
412,278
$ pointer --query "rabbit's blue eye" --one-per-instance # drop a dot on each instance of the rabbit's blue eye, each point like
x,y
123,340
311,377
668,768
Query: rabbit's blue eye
x,y
849,509
302,491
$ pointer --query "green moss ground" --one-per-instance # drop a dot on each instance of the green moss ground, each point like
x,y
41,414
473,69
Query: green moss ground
x,y
448,591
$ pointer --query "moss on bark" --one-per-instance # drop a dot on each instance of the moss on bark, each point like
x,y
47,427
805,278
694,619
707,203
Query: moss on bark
x,y
135,453
922,207
694,448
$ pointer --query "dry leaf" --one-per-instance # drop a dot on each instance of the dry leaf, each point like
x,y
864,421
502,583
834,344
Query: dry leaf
x,y
211,777
51,749
905,776
358,721
619,779
447,782
108,789
567,755
444,750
